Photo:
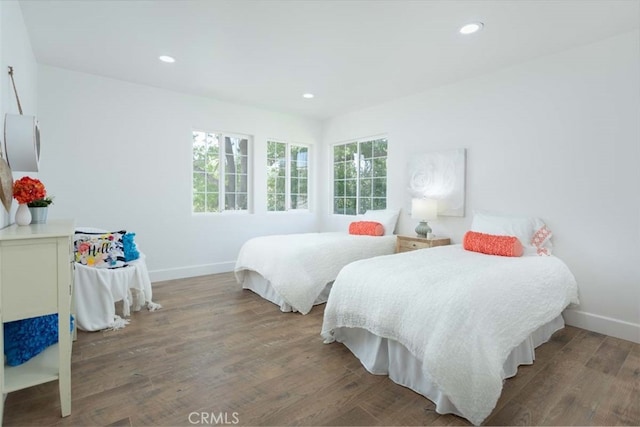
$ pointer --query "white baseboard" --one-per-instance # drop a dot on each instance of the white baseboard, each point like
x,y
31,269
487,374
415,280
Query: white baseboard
x,y
603,325
191,271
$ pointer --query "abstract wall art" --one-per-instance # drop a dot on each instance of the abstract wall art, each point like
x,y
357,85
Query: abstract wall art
x,y
440,175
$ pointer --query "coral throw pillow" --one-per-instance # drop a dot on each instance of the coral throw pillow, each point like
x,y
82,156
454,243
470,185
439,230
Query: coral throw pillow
x,y
492,245
368,228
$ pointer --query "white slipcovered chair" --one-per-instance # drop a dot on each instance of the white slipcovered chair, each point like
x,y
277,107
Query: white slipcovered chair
x,y
98,289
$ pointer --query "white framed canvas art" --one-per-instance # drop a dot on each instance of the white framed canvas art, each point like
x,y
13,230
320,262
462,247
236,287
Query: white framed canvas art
x,y
440,175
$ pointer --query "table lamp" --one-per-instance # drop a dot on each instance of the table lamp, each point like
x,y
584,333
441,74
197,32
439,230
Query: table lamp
x,y
424,210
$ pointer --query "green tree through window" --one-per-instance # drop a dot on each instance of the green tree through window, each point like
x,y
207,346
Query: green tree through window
x,y
360,176
287,176
220,172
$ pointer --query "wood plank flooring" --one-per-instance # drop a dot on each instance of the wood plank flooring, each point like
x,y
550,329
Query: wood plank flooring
x,y
218,354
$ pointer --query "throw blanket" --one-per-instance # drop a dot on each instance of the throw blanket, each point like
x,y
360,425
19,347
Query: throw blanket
x,y
97,289
459,312
299,266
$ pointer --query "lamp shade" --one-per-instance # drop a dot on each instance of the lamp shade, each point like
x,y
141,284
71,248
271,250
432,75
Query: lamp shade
x,y
424,209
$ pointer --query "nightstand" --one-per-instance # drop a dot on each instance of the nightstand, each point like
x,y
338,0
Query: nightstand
x,y
411,243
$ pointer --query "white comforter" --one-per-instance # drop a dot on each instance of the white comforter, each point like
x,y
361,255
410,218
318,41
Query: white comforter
x,y
459,312
299,266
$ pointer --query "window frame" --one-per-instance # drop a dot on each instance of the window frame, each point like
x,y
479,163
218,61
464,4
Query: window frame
x,y
288,177
358,178
222,173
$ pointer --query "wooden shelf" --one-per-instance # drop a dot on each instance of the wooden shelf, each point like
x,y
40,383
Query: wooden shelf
x,y
41,369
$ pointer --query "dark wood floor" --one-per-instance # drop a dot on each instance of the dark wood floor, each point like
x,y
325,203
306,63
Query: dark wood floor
x,y
215,351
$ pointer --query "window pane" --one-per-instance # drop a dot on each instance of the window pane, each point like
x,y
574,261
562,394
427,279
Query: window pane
x,y
210,150
276,174
366,150
212,202
230,201
362,166
242,183
380,167
213,158
350,151
244,146
379,187
198,202
338,170
351,188
350,206
301,156
271,149
199,146
364,205
366,168
366,188
299,201
198,182
199,159
287,163
379,204
380,148
303,173
350,170
236,172
212,183
241,201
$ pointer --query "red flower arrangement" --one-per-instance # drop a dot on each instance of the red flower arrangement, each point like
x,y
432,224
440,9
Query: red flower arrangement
x,y
28,190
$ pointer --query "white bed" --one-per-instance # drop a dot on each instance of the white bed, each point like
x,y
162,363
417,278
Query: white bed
x,y
295,271
448,323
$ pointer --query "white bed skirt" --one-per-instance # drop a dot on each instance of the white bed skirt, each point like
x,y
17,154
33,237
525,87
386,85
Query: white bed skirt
x,y
381,356
257,283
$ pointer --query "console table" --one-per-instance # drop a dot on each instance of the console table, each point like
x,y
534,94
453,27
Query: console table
x,y
36,263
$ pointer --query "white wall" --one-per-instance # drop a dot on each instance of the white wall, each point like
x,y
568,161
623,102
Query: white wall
x,y
15,51
558,138
117,155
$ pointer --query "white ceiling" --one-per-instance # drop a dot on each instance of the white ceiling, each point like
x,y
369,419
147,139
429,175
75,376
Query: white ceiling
x,y
350,54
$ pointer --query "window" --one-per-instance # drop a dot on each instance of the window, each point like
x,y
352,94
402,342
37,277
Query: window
x,y
220,185
287,176
360,176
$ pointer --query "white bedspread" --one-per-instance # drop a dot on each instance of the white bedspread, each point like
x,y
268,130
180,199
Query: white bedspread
x,y
299,266
459,312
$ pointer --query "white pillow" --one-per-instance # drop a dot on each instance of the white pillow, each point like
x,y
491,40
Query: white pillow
x,y
387,217
522,227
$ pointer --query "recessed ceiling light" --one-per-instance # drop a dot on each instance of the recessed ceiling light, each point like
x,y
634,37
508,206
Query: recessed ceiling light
x,y
471,28
307,95
165,58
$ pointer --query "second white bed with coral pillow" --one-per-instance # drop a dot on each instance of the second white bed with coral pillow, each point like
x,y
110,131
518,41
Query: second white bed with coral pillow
x,y
293,270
